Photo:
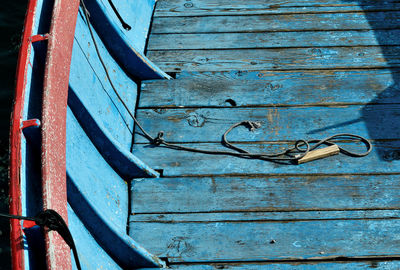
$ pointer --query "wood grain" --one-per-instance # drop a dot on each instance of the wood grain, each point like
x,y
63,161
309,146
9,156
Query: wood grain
x,y
167,8
251,241
271,23
383,159
277,59
314,87
204,196
277,123
273,39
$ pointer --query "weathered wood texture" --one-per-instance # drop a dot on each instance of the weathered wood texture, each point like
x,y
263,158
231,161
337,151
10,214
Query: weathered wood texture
x,y
169,8
319,87
273,39
268,23
267,193
384,158
278,124
304,69
277,59
345,265
251,241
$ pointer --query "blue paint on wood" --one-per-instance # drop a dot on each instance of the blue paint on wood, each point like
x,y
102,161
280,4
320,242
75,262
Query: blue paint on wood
x,y
133,60
120,159
345,265
138,14
91,254
272,193
320,87
288,215
99,198
251,241
89,81
277,124
277,59
273,40
275,23
168,8
384,158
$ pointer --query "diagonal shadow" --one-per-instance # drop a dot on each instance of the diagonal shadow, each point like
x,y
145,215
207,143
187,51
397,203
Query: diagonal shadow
x,y
382,114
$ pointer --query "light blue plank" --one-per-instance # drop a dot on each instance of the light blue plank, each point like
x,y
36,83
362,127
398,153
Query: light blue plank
x,y
384,158
167,8
138,14
260,88
91,255
373,264
277,124
273,193
87,169
273,40
259,216
277,59
251,241
132,60
285,22
99,196
119,158
89,82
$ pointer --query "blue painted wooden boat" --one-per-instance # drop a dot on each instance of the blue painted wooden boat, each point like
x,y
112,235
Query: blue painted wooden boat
x,y
192,68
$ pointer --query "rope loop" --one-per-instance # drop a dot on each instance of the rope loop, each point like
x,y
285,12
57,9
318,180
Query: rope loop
x,y
159,139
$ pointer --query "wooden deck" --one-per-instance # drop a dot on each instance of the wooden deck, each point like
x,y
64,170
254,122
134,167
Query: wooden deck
x,y
304,69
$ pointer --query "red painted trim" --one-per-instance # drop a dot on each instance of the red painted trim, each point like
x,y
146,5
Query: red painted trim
x,y
15,139
54,113
37,38
30,123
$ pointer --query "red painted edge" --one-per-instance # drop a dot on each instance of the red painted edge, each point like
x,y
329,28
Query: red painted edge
x,y
30,123
17,256
54,113
37,38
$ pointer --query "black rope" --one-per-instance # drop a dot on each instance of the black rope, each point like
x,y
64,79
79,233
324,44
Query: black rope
x,y
54,222
301,147
124,24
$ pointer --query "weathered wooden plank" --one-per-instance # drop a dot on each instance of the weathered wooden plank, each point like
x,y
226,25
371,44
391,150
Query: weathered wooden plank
x,y
384,158
263,216
89,81
137,14
277,59
273,193
260,241
273,39
268,23
167,8
272,87
303,265
378,121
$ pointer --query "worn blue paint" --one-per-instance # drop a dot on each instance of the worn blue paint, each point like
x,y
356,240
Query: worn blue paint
x,y
240,23
379,265
89,82
119,158
100,198
168,8
313,87
214,209
383,159
91,255
277,124
263,193
130,57
138,14
251,241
